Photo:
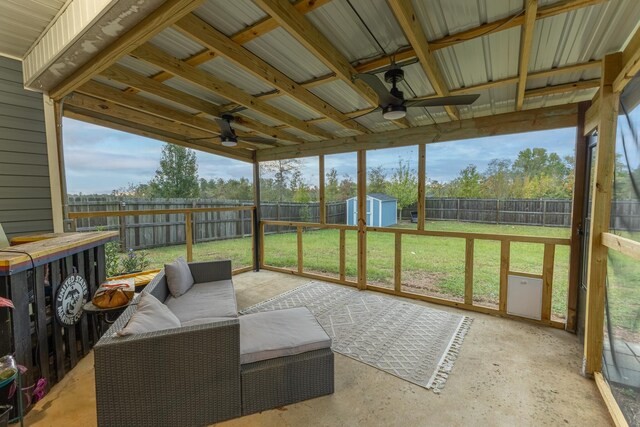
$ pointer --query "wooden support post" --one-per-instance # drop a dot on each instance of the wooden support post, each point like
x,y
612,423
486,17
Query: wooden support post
x,y
343,257
323,202
300,255
505,254
188,235
397,271
601,215
468,272
258,229
422,176
547,280
577,214
362,219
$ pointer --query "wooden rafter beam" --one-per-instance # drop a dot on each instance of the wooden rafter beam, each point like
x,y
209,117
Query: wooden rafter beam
x,y
526,43
136,129
165,15
500,124
630,62
480,31
212,84
244,36
511,22
310,37
413,31
214,40
317,43
112,109
547,90
130,78
108,93
563,88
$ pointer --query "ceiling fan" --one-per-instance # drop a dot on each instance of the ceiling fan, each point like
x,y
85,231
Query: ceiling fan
x,y
228,136
392,102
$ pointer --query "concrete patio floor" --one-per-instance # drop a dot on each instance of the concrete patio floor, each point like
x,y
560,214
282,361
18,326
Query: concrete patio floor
x,y
508,373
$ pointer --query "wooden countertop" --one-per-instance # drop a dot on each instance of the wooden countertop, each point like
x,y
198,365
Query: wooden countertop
x,y
48,247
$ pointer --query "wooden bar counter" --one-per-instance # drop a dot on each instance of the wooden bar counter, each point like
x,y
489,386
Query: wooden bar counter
x,y
35,273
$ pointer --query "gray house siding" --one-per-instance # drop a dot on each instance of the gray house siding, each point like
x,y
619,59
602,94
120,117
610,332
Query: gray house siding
x,y
25,195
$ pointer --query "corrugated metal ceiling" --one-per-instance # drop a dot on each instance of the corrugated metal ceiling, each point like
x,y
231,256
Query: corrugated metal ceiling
x,y
575,37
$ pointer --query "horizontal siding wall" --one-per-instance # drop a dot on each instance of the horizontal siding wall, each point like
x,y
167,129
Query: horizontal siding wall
x,y
25,195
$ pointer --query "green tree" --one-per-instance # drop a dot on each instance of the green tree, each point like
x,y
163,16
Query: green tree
x,y
276,186
332,186
177,175
403,185
498,179
468,184
377,180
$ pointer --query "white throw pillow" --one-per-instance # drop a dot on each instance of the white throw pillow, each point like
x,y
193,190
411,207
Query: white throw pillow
x,y
179,277
151,315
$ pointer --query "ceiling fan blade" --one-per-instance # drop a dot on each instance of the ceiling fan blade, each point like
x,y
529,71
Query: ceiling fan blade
x,y
364,114
443,101
225,128
384,96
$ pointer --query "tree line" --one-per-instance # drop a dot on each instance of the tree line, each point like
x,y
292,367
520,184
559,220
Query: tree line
x,y
534,174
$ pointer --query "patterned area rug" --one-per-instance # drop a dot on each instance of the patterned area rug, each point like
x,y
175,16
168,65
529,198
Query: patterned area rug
x,y
411,341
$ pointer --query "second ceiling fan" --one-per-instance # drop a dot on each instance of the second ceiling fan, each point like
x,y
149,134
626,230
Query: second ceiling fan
x,y
392,102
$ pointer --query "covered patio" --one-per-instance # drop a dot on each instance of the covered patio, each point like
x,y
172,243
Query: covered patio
x,y
271,80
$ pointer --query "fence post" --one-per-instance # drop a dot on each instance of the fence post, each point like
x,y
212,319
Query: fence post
x,y
458,209
123,228
544,213
497,211
195,232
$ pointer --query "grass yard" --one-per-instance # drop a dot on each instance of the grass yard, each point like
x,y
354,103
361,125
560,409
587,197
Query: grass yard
x,y
430,265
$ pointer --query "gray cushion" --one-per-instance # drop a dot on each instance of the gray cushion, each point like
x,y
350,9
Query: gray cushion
x,y
179,277
278,333
151,315
205,300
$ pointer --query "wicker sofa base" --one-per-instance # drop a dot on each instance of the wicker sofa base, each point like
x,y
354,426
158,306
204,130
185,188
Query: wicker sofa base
x,y
277,382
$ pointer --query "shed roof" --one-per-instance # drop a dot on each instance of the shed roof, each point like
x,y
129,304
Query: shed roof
x,y
379,196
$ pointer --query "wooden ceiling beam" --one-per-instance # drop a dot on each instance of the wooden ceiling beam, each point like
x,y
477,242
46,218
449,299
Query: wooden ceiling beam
x,y
563,88
131,78
480,31
413,31
212,84
134,128
109,108
526,43
268,24
500,124
165,15
630,62
108,93
310,37
214,40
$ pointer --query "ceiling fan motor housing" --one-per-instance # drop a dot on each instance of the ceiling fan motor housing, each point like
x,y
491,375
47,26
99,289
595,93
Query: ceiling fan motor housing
x,y
394,76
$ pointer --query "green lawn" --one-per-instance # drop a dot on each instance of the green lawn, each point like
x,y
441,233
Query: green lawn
x,y
430,265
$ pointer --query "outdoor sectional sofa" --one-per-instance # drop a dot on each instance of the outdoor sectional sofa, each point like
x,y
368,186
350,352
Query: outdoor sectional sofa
x,y
216,366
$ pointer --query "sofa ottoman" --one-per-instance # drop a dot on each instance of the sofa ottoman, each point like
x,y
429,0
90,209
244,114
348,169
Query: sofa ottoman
x,y
285,357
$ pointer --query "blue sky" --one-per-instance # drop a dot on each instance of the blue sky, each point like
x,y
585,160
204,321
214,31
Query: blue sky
x,y
99,160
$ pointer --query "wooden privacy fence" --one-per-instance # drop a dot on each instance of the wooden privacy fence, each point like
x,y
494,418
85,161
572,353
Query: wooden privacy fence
x,y
545,272
187,215
625,214
144,231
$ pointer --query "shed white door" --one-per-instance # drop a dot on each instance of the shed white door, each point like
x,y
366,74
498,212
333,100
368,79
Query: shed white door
x,y
369,211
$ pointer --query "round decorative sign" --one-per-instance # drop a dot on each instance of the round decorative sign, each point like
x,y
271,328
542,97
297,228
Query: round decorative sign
x,y
71,296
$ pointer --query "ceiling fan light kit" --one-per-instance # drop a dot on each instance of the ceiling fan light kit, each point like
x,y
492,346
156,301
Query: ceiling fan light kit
x,y
394,112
